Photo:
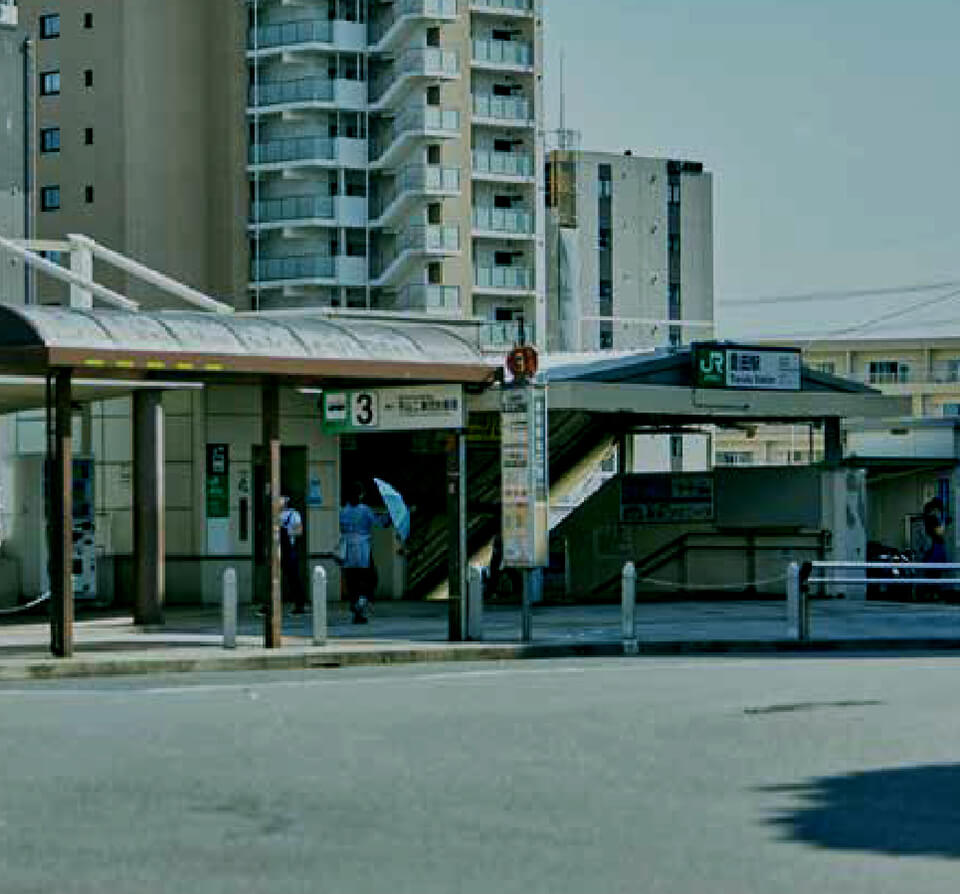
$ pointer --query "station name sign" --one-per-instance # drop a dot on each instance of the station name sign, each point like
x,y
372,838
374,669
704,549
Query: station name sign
x,y
744,367
415,408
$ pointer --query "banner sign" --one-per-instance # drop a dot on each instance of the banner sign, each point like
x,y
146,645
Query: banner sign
x,y
740,367
218,481
394,409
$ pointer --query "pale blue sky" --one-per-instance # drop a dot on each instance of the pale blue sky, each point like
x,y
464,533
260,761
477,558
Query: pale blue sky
x,y
832,127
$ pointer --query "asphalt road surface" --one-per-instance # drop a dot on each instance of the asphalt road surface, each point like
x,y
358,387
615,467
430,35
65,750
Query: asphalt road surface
x,y
721,775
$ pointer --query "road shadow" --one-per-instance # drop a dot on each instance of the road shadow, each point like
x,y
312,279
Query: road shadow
x,y
906,811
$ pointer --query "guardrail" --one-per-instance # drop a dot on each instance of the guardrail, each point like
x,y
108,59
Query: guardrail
x,y
801,576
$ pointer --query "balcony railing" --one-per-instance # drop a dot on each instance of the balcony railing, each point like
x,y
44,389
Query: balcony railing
x,y
308,267
503,220
428,298
418,119
502,108
272,93
418,178
517,279
503,52
425,9
284,34
293,149
508,164
294,208
506,334
427,62
507,5
421,238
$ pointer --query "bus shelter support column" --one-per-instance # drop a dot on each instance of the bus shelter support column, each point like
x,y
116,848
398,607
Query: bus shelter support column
x,y
61,521
149,529
457,537
270,436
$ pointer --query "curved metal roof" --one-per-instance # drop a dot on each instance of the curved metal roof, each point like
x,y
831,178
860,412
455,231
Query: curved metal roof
x,y
301,346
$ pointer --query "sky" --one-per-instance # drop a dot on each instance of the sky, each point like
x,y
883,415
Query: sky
x,y
832,128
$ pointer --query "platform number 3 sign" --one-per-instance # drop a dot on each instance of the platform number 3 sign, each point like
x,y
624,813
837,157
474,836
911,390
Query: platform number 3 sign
x,y
364,409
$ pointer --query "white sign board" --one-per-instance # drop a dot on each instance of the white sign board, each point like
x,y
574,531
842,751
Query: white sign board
x,y
524,477
776,370
411,408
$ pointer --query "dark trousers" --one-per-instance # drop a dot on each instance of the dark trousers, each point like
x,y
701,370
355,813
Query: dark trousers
x,y
292,584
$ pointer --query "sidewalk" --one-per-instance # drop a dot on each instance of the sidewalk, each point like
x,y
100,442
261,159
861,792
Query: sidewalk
x,y
409,632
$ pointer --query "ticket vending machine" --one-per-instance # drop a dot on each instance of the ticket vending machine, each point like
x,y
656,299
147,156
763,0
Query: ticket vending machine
x,y
27,541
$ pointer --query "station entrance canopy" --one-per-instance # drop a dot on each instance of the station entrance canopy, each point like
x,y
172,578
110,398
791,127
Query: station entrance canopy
x,y
57,356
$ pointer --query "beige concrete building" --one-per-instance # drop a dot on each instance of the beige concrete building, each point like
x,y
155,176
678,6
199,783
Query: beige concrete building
x,y
629,251
336,153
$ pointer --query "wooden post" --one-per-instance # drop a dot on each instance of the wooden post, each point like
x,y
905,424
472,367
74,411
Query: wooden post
x,y
149,533
273,618
60,482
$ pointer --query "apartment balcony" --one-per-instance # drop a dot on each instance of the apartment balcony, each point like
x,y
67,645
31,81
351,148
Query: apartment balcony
x,y
431,63
311,35
503,55
502,223
305,152
415,123
501,335
427,298
523,8
393,28
413,243
410,186
299,94
309,211
502,111
514,167
306,270
503,280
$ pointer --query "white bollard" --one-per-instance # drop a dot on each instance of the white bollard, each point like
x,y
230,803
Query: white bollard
x,y
475,603
795,611
230,608
319,597
629,609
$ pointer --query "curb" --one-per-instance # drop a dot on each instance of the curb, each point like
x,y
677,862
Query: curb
x,y
325,658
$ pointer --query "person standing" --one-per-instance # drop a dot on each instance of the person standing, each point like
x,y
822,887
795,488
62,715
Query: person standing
x,y
934,527
357,521
291,533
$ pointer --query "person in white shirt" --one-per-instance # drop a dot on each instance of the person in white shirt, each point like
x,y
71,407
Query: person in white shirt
x,y
291,532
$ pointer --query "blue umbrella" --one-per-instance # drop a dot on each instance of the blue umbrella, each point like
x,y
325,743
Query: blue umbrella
x,y
399,514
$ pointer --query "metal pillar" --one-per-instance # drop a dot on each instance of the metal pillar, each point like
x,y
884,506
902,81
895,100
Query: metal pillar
x,y
270,437
61,522
149,529
229,608
526,607
457,537
832,441
628,609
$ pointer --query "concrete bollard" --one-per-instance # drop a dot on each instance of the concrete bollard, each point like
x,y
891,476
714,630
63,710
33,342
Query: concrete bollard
x,y
475,603
319,596
230,608
796,611
629,609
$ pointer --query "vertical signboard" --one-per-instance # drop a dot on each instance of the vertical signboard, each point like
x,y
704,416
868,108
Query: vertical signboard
x,y
524,477
218,499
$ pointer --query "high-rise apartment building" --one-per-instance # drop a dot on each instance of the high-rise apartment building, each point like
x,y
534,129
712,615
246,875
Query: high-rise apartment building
x,y
14,63
629,251
358,154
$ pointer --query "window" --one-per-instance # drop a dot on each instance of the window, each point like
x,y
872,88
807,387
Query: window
x,y
88,136
50,139
734,458
606,335
49,83
49,26
887,372
950,409
673,298
605,181
825,366
606,288
673,194
88,194
49,198
604,238
503,145
88,20
503,258
501,34
88,77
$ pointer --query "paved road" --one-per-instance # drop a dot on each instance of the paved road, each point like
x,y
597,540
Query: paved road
x,y
645,775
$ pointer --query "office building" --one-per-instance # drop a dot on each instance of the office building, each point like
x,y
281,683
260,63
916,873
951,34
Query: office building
x,y
334,153
14,63
629,251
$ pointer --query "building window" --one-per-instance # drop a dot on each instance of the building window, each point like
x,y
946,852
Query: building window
x,y
88,194
673,310
734,458
887,372
88,20
950,409
50,139
88,77
49,26
673,195
605,181
825,366
88,136
606,335
49,83
49,198
604,238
